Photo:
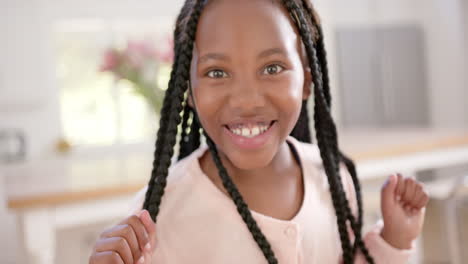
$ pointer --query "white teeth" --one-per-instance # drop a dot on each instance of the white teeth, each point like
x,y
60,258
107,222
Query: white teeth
x,y
245,132
255,131
250,133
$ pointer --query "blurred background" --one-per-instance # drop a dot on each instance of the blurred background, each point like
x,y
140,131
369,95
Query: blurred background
x,y
81,84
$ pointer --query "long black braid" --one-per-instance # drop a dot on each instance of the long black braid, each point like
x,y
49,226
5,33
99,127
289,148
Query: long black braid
x,y
322,57
331,137
162,132
323,124
190,137
176,102
172,107
241,205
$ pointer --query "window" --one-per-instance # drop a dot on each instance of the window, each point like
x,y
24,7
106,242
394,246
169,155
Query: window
x,y
96,107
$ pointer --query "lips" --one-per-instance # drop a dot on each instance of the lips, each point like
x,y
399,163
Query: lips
x,y
250,135
249,128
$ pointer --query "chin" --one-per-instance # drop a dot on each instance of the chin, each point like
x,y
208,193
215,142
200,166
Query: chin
x,y
251,160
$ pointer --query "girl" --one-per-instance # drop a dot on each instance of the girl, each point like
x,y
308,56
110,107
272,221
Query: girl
x,y
242,76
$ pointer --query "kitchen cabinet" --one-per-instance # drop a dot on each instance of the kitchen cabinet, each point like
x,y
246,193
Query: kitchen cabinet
x,y
382,76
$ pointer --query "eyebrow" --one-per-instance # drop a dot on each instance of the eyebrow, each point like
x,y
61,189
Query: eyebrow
x,y
213,56
270,52
222,57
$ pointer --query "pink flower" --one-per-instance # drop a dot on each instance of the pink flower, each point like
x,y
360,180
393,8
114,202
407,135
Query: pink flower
x,y
138,52
167,56
111,60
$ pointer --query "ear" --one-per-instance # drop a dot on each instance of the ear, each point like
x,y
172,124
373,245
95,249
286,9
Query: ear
x,y
307,89
307,72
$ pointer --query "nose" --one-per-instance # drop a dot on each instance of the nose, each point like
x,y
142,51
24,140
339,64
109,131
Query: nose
x,y
246,95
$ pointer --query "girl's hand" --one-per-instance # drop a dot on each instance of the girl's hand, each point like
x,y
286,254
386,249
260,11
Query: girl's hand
x,y
403,203
129,242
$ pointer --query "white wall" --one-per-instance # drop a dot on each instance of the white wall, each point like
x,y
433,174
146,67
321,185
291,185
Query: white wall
x,y
27,94
446,50
465,18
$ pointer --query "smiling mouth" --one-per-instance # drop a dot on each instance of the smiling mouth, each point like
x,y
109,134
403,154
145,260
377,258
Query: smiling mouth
x,y
250,130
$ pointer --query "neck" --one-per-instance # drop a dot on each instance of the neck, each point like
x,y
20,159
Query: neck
x,y
283,163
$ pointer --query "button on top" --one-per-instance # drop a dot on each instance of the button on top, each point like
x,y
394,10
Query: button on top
x,y
290,232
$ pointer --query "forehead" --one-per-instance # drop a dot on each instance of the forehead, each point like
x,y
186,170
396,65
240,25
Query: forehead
x,y
245,24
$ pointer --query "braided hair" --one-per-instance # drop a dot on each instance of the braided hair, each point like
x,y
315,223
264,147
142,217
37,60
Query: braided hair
x,y
177,111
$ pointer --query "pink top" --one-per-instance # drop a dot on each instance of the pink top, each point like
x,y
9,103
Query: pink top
x,y
198,223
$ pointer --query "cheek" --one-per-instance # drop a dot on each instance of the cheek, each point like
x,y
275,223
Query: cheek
x,y
205,102
289,85
208,104
288,94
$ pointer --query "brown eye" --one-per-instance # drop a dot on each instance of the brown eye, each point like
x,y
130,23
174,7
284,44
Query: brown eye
x,y
273,69
217,74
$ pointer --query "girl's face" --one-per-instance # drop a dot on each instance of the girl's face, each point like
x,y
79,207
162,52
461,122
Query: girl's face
x,y
248,78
